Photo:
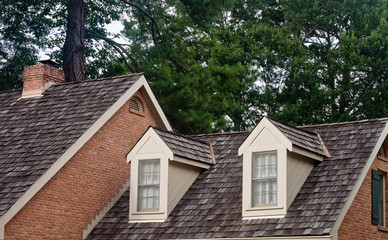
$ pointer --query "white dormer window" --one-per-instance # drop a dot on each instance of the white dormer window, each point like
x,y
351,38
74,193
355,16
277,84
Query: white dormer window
x,y
274,168
159,178
149,186
264,179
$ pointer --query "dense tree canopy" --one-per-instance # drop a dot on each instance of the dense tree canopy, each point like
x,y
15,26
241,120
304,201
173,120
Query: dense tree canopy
x,y
219,65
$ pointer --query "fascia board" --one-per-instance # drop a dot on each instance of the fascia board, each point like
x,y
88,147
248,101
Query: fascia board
x,y
155,104
264,123
150,134
190,162
19,204
358,184
307,153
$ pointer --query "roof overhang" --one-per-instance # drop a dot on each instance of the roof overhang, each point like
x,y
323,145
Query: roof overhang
x,y
152,134
266,124
149,134
141,83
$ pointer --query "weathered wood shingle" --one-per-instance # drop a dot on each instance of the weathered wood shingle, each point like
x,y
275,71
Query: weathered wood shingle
x,y
186,147
35,132
211,208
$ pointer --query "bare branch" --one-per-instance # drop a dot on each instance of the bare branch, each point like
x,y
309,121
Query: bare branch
x,y
154,25
119,48
155,32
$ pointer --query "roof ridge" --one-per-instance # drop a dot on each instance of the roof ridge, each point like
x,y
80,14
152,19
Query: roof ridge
x,y
100,79
88,80
219,133
343,123
8,91
297,127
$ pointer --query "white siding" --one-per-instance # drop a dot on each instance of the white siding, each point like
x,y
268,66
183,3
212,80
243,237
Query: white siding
x,y
298,169
180,178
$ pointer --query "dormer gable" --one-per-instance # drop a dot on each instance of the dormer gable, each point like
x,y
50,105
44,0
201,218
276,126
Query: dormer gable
x,y
163,166
277,159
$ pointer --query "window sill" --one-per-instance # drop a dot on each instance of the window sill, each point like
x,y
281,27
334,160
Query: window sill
x,y
147,213
137,112
269,207
383,229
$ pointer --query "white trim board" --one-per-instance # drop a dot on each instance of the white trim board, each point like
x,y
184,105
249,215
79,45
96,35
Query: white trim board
x,y
326,237
19,204
357,186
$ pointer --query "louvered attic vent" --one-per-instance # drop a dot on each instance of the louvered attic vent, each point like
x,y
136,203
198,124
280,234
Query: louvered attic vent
x,y
134,104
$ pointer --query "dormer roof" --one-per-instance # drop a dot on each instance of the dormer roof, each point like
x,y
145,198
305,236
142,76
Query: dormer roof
x,y
187,147
302,138
294,139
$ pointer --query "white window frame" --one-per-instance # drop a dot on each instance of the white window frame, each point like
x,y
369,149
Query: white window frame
x,y
277,210
156,215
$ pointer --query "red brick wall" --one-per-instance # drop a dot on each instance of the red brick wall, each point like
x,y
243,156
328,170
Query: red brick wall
x,y
64,207
357,223
35,77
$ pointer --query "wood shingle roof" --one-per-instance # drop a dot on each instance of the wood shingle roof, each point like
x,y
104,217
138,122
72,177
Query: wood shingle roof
x,y
211,208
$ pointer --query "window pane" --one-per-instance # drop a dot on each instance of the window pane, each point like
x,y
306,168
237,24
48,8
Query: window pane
x,y
264,178
148,189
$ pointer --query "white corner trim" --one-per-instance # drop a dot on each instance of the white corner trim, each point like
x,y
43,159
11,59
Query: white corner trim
x,y
190,162
19,204
156,105
264,123
150,134
358,184
108,206
1,232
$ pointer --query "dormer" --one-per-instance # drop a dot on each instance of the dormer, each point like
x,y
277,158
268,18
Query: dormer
x,y
277,159
163,166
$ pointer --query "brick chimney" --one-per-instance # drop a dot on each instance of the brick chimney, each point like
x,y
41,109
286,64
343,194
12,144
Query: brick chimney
x,y
37,78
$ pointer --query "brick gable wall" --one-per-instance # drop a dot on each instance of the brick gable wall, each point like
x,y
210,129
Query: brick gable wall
x,y
64,207
357,224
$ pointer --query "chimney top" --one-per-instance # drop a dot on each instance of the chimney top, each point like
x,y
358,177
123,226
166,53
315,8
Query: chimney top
x,y
37,78
49,62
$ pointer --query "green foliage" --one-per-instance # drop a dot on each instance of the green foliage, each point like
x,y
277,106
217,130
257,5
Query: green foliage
x,y
220,65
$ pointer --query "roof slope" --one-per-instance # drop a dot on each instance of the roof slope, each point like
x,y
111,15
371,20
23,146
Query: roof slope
x,y
35,132
301,138
211,208
187,147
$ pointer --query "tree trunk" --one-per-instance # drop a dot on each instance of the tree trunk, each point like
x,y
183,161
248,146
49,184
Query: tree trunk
x,y
74,47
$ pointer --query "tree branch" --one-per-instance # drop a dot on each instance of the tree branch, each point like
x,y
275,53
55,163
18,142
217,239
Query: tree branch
x,y
154,25
155,32
119,48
